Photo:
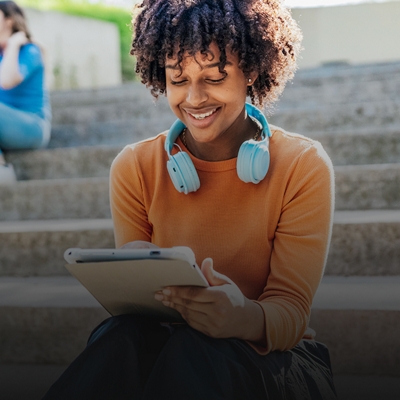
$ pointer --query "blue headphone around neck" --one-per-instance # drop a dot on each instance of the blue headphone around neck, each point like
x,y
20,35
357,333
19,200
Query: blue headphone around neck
x,y
252,162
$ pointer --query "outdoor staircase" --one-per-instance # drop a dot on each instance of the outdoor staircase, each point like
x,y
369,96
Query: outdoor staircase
x,y
61,201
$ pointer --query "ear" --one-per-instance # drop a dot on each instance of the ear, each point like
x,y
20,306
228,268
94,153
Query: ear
x,y
251,78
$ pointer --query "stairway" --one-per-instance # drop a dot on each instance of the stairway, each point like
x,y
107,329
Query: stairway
x,y
61,201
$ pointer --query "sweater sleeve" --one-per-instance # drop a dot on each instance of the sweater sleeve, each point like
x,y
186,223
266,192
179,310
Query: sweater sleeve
x,y
300,250
127,203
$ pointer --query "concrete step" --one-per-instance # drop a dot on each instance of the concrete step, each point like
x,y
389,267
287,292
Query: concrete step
x,y
361,146
119,124
48,320
338,117
114,132
36,248
361,187
60,163
327,84
342,84
364,243
357,187
344,148
55,199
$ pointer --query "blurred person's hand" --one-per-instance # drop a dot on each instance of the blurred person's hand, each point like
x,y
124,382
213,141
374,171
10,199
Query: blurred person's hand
x,y
17,39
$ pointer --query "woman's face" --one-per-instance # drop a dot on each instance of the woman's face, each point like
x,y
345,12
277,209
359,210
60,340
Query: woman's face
x,y
208,102
5,27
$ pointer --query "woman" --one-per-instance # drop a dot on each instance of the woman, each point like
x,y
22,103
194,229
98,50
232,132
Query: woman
x,y
207,183
24,104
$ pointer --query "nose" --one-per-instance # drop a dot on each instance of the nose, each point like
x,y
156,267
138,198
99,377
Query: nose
x,y
196,94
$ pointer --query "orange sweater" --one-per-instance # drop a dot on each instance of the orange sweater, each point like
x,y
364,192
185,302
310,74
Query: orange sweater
x,y
271,239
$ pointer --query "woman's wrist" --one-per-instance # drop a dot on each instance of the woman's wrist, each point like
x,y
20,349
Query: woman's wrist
x,y
253,325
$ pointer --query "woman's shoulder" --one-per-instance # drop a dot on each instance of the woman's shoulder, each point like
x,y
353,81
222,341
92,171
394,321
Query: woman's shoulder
x,y
142,152
31,53
30,48
289,148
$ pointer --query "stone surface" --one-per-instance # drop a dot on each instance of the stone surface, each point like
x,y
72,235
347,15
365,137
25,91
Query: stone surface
x,y
357,187
319,99
344,315
48,335
338,117
344,148
360,341
37,247
361,187
114,125
342,84
364,146
61,163
55,199
363,243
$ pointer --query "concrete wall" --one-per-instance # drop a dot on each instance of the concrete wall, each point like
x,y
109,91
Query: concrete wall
x,y
85,53
356,34
80,52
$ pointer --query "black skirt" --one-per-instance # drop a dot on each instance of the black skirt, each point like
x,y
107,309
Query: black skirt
x,y
129,357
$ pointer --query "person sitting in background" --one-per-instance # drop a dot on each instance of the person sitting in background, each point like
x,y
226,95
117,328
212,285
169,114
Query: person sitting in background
x,y
25,113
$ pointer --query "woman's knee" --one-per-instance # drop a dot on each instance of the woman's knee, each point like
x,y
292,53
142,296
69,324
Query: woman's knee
x,y
22,131
121,325
127,326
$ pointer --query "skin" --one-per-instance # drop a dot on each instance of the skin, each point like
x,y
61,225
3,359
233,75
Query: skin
x,y
221,310
201,88
10,44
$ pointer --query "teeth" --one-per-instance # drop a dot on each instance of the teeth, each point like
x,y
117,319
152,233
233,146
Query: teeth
x,y
202,116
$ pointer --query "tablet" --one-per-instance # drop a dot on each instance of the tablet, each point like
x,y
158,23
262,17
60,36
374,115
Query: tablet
x,y
78,255
125,281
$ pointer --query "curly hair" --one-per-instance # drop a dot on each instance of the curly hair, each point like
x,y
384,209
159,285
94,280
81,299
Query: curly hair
x,y
263,33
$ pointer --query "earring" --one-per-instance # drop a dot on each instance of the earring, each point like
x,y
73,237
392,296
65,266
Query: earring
x,y
249,80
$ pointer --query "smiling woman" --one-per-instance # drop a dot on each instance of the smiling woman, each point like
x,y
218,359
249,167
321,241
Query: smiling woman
x,y
263,222
210,103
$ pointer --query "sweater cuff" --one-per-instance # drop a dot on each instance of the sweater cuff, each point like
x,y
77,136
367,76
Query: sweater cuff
x,y
260,348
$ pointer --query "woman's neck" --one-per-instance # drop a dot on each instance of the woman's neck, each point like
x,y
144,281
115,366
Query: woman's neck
x,y
226,146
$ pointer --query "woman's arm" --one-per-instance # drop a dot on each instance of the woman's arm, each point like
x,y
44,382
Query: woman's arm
x,y
126,200
300,249
279,317
10,75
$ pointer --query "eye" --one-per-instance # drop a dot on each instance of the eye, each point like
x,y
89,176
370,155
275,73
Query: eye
x,y
177,83
216,80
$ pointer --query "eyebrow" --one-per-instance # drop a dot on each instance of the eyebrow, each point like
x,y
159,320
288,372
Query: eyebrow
x,y
213,65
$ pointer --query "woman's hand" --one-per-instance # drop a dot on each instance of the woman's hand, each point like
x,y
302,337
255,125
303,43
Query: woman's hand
x,y
10,75
17,39
219,311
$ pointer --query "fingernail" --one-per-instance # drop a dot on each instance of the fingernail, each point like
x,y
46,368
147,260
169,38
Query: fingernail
x,y
166,303
166,291
158,296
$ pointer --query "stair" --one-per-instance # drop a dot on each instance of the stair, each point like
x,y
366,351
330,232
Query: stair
x,y
61,201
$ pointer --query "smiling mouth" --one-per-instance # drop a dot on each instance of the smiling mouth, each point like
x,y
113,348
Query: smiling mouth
x,y
202,116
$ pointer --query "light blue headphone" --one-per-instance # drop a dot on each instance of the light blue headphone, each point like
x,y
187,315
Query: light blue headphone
x,y
252,162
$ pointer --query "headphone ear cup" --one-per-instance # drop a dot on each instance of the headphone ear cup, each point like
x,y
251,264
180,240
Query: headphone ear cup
x,y
183,173
253,161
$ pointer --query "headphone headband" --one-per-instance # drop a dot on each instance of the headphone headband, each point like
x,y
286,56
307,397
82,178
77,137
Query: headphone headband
x,y
252,162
